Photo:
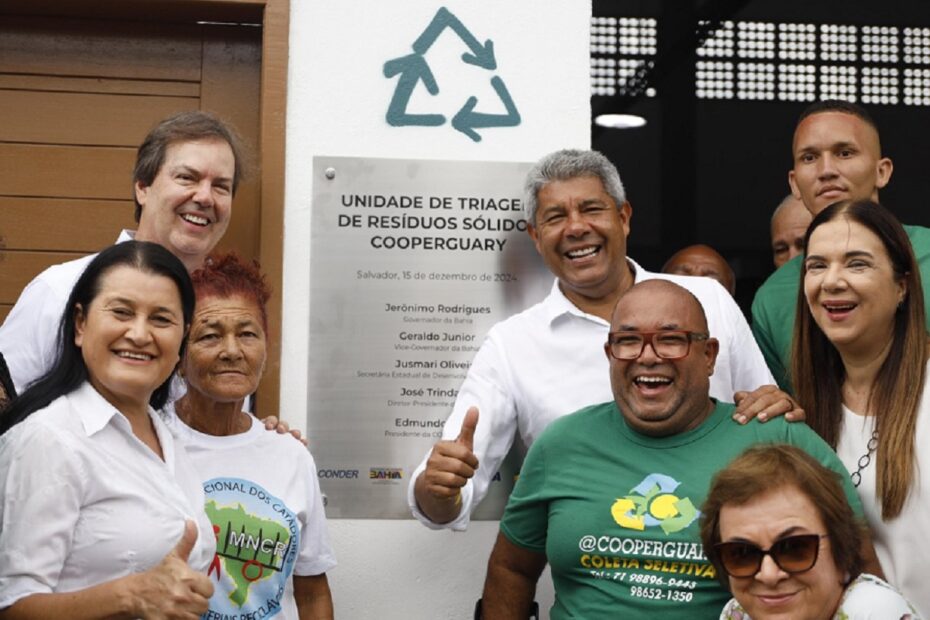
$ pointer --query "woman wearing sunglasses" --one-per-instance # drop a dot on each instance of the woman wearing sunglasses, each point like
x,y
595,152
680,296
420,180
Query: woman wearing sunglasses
x,y
777,527
859,371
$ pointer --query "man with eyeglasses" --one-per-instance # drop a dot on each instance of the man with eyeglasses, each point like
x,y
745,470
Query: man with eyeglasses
x,y
611,494
546,362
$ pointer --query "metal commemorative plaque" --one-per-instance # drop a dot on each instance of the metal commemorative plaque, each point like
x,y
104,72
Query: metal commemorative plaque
x,y
411,262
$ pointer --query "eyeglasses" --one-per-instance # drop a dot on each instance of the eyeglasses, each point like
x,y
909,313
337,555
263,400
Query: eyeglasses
x,y
667,344
792,554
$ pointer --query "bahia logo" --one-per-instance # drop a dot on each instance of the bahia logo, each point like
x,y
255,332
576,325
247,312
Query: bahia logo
x,y
340,474
385,473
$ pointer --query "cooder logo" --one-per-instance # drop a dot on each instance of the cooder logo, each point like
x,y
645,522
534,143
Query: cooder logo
x,y
339,474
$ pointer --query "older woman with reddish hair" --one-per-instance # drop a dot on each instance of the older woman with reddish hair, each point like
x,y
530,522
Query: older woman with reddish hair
x,y
261,488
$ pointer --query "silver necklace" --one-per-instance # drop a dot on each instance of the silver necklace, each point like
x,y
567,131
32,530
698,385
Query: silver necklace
x,y
865,459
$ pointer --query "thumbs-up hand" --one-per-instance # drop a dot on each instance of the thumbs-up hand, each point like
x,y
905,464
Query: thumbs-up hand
x,y
467,434
186,544
172,590
452,463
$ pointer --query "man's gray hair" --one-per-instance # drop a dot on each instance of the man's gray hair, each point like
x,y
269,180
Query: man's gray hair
x,y
569,164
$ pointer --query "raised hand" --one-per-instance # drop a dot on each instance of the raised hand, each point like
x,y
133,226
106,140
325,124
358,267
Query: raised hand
x,y
452,463
173,590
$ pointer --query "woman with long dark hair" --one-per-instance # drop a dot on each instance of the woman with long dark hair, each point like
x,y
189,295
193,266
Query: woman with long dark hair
x,y
859,371
101,514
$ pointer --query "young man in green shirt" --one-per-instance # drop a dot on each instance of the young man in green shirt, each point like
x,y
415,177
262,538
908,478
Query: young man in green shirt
x,y
837,156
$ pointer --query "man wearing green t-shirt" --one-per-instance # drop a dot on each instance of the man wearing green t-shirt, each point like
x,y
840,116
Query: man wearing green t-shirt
x,y
610,495
837,156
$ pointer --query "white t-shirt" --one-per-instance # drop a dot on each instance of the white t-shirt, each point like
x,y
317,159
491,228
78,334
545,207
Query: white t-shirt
x,y
549,361
866,598
263,497
30,331
902,544
84,501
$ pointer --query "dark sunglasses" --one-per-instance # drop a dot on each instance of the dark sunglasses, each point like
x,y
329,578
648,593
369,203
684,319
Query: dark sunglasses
x,y
792,554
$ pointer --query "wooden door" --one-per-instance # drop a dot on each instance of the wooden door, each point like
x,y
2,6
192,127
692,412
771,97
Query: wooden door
x,y
76,99
78,92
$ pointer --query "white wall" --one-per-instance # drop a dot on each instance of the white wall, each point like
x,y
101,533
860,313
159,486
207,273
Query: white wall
x,y
337,99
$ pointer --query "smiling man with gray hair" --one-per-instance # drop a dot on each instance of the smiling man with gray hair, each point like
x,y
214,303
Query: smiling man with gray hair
x,y
548,360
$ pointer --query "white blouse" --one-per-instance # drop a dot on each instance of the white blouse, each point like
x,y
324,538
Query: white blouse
x,y
84,501
902,544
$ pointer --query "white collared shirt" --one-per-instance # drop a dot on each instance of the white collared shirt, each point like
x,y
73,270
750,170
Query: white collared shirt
x,y
30,331
84,501
549,361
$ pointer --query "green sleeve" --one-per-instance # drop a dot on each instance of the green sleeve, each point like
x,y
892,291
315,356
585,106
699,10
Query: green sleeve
x,y
526,520
920,242
773,311
802,436
761,330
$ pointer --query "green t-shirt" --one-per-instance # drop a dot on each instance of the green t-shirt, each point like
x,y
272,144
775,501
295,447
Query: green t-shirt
x,y
616,512
774,306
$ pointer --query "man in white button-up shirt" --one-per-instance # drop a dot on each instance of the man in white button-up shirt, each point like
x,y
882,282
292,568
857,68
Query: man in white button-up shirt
x,y
549,361
186,173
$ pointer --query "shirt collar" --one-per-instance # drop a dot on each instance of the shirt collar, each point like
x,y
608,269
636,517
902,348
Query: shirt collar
x,y
126,235
93,409
639,274
558,305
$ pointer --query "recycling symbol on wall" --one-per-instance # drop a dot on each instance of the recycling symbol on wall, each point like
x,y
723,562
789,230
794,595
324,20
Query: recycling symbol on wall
x,y
413,69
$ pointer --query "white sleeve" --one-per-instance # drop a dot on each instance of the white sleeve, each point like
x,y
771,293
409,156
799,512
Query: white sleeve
x,y
871,598
487,386
316,555
748,369
28,335
41,490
